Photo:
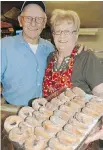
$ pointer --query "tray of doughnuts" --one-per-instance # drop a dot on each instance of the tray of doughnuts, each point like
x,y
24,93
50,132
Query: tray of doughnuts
x,y
63,123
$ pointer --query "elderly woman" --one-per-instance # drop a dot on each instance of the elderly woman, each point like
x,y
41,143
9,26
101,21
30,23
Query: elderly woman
x,y
67,68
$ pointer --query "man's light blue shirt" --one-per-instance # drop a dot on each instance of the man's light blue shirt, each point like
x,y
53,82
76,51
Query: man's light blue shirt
x,y
22,71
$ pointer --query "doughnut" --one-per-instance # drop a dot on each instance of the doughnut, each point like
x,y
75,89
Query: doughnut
x,y
25,128
84,118
50,106
95,107
63,98
79,100
50,127
48,148
90,112
18,136
42,134
57,121
73,106
67,139
78,124
99,104
40,116
73,130
12,122
69,94
64,116
56,102
78,92
31,122
45,111
37,103
25,111
34,143
67,109
56,145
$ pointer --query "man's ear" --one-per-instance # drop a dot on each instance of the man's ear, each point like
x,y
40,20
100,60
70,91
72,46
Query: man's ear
x,y
20,21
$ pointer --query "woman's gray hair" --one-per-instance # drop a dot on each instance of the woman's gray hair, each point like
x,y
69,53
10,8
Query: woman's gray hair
x,y
60,15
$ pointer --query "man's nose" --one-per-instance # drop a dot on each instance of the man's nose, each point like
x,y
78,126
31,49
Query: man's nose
x,y
33,23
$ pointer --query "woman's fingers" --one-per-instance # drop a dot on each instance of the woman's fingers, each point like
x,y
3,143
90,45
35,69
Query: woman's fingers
x,y
94,137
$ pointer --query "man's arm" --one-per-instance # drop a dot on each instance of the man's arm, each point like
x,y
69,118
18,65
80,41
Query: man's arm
x,y
98,90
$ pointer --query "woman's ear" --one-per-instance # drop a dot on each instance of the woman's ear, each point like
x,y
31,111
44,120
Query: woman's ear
x,y
20,21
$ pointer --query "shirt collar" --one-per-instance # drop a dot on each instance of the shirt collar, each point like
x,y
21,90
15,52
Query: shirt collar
x,y
22,41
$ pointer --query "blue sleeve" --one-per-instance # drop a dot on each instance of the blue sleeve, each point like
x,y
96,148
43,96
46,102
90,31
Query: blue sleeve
x,y
3,62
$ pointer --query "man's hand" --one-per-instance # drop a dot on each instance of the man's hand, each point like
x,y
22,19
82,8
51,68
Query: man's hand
x,y
83,48
96,136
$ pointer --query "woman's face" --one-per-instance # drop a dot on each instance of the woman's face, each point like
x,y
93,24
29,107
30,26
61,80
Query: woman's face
x,y
65,35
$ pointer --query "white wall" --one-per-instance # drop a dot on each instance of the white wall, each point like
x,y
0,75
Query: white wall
x,y
95,41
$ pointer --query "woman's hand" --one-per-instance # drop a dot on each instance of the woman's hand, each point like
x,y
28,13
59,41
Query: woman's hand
x,y
96,136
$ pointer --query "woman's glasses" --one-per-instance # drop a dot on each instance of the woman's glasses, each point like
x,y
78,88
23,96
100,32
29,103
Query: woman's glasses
x,y
65,32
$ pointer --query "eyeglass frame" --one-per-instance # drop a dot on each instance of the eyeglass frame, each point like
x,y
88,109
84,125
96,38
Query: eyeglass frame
x,y
32,19
66,32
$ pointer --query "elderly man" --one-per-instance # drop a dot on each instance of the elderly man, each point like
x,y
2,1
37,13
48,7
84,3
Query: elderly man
x,y
24,57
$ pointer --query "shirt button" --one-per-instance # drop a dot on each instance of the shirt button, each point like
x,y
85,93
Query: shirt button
x,y
37,70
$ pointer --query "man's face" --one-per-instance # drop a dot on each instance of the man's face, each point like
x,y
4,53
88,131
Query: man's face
x,y
32,20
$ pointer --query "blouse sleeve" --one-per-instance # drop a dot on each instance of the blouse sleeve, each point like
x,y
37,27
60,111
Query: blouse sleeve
x,y
93,70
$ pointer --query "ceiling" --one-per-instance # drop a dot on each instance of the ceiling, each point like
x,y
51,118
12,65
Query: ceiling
x,y
90,12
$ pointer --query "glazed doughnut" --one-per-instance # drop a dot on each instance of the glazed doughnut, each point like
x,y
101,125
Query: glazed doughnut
x,y
37,103
34,143
57,121
56,102
63,98
67,139
56,145
45,111
50,127
25,128
69,94
64,116
99,104
31,122
78,124
73,130
79,100
42,134
40,116
90,112
78,92
12,122
84,118
95,107
48,148
67,109
18,136
25,111
50,106
73,106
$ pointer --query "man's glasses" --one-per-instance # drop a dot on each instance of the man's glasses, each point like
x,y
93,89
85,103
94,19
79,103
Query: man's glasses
x,y
29,19
65,32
